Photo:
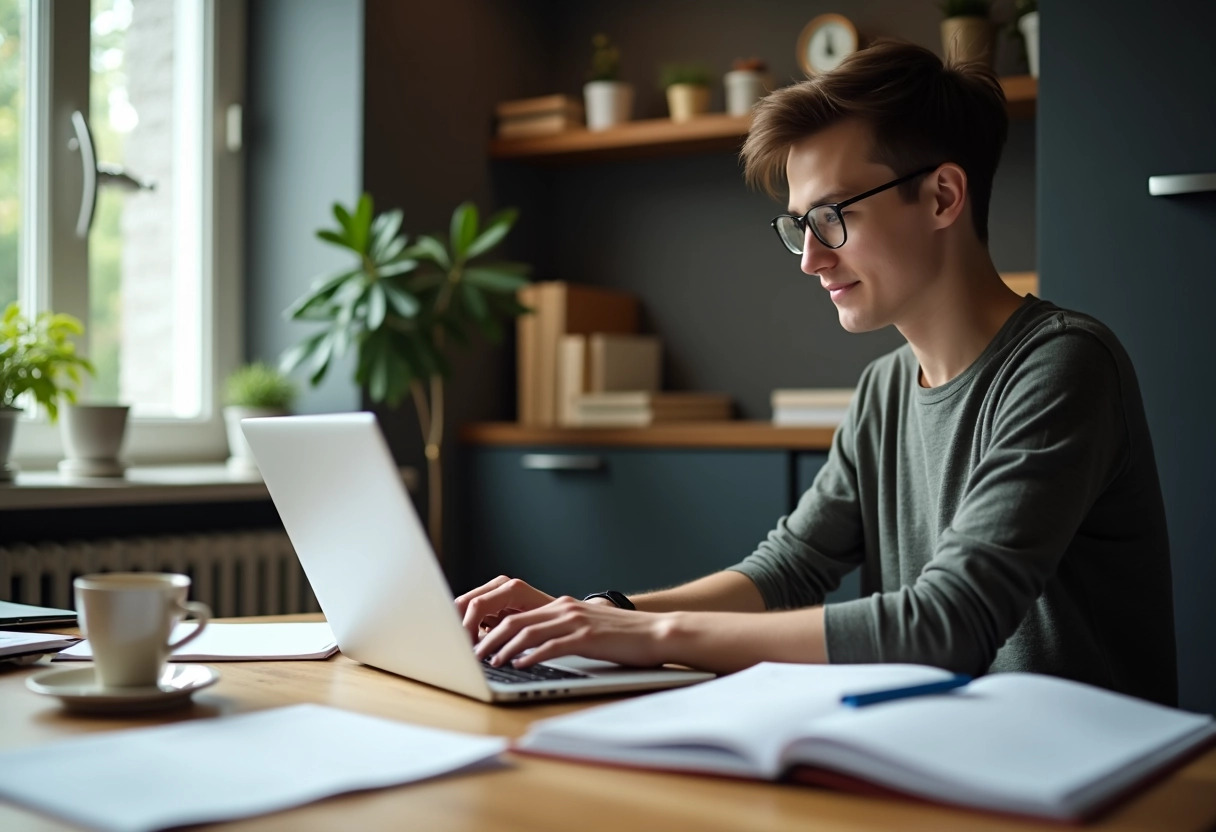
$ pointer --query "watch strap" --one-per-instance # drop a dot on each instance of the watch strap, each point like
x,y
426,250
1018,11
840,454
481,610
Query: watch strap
x,y
618,599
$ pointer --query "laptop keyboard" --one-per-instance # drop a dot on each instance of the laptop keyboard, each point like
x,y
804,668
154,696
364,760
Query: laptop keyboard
x,y
527,675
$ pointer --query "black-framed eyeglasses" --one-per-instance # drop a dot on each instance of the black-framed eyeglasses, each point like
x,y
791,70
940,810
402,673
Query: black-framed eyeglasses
x,y
827,221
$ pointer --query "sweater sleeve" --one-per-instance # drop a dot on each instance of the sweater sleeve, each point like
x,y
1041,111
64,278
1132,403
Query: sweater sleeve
x,y
820,541
1054,441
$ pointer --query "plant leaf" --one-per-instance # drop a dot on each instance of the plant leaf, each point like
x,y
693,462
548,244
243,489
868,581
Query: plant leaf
x,y
295,356
429,248
321,291
464,229
475,302
398,267
403,303
493,280
361,224
343,217
383,232
334,238
495,230
377,306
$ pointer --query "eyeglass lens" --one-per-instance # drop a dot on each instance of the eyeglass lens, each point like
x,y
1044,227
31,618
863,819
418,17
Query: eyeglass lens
x,y
825,222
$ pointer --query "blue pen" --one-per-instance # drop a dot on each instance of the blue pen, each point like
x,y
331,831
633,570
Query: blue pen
x,y
858,700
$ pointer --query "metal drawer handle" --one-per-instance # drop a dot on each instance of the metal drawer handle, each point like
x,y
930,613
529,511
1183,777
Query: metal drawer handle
x,y
561,462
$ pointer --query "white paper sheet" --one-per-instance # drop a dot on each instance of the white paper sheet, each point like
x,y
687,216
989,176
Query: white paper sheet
x,y
229,767
241,642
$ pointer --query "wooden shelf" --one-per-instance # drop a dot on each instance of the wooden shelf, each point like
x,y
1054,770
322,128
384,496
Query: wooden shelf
x,y
712,132
725,435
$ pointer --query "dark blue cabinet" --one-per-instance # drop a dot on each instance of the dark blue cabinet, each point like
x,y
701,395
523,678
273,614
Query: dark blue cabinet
x,y
577,520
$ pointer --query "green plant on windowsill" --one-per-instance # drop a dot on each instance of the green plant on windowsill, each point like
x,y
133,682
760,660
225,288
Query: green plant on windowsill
x,y
605,60
38,358
260,385
401,304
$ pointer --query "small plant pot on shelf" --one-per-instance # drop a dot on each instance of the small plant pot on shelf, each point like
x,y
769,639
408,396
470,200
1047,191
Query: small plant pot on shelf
x,y
92,439
968,39
744,87
687,101
607,103
8,426
240,457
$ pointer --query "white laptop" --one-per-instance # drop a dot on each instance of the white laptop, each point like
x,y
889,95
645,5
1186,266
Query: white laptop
x,y
375,575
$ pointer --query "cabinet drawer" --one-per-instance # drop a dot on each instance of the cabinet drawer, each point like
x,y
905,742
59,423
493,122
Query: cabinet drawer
x,y
578,520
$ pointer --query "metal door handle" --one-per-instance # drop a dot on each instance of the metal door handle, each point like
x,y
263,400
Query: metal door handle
x,y
561,462
97,174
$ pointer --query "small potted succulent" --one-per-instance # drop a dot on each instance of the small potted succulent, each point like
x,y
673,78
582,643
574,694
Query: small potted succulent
x,y
745,84
608,99
38,360
687,87
967,31
254,390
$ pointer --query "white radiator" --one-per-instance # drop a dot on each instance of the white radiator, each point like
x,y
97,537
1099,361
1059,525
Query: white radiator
x,y
235,573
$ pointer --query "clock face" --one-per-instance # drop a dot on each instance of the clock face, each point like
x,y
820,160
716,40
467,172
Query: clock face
x,y
825,42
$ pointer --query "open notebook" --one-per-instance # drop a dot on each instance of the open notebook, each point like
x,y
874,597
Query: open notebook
x,y
1011,742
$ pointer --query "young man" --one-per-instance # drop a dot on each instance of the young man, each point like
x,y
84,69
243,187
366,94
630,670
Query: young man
x,y
994,479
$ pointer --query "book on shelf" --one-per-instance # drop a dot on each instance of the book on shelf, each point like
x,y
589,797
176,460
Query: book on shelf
x,y
642,408
547,124
811,407
561,309
538,116
1016,743
603,362
540,105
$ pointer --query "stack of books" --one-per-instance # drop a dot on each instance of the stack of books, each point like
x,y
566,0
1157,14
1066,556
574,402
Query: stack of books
x,y
642,408
811,408
561,309
605,363
542,116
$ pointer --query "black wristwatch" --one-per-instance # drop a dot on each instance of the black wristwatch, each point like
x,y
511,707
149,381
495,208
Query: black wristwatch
x,y
618,599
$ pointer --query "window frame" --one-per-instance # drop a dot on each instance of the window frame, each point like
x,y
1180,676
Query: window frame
x,y
54,262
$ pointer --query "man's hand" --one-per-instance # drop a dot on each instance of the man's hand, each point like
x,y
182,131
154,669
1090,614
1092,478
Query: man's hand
x,y
565,626
487,606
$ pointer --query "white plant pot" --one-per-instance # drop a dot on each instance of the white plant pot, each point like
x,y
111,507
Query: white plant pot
x,y
240,457
607,103
92,439
1029,26
8,426
744,87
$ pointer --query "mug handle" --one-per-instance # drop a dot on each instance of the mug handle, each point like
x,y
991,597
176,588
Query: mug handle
x,y
201,613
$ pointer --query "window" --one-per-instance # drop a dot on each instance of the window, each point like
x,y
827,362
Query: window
x,y
144,245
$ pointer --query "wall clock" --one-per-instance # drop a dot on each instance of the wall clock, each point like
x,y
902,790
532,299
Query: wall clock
x,y
825,42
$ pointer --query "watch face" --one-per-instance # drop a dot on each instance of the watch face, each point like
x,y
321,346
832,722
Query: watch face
x,y
825,42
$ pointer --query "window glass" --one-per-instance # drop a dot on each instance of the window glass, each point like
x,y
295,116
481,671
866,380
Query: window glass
x,y
12,108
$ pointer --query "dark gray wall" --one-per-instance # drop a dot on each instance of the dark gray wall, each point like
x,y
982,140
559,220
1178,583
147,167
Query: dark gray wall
x,y
304,145
1126,95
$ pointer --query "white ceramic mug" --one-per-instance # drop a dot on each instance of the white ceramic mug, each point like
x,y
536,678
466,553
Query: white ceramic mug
x,y
128,618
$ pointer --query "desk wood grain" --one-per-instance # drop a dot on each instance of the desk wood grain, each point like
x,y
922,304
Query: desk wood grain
x,y
537,795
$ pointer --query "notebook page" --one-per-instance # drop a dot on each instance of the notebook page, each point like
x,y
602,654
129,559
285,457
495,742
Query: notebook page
x,y
748,717
1014,741
241,642
229,767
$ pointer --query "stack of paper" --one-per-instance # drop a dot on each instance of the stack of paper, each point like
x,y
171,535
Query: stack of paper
x,y
814,407
231,767
15,647
638,409
268,641
541,116
605,363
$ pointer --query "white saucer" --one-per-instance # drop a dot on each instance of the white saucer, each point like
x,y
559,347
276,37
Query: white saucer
x,y
79,690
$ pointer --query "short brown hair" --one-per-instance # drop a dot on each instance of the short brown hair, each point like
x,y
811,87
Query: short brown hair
x,y
922,113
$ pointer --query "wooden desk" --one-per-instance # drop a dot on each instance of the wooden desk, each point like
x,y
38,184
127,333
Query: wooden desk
x,y
536,795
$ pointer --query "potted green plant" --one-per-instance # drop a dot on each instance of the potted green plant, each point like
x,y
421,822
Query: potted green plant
x,y
687,88
608,99
401,305
253,391
38,360
967,31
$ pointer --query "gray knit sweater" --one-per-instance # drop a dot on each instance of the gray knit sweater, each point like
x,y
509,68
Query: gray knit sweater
x,y
1010,519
